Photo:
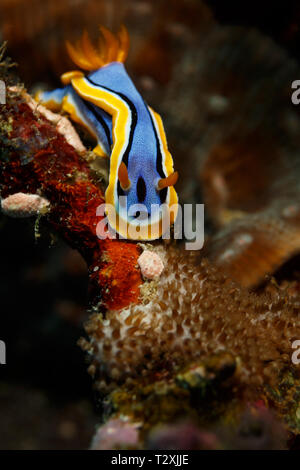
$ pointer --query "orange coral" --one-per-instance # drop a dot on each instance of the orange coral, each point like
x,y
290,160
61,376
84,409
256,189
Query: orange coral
x,y
119,276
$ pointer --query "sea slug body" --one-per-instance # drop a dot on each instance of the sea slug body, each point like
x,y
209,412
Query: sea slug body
x,y
102,98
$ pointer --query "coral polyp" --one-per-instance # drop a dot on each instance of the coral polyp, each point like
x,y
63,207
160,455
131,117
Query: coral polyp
x,y
151,264
196,313
24,205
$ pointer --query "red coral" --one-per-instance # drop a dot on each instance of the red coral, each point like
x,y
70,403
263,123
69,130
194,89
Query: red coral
x,y
120,274
38,158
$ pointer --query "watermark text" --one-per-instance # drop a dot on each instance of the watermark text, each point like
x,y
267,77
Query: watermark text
x,y
2,352
296,353
2,92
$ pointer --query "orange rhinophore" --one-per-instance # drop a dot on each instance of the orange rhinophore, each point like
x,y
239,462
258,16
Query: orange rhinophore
x,y
170,180
123,177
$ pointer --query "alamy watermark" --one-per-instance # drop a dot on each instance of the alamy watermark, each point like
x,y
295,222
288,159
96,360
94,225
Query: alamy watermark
x,y
296,353
136,222
2,92
2,352
296,100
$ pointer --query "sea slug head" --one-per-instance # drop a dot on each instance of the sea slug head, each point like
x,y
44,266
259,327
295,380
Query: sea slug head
x,y
144,202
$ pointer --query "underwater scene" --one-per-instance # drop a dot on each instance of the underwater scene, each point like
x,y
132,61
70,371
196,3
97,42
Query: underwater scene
x,y
149,226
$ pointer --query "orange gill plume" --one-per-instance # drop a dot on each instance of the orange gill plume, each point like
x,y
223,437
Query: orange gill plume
x,y
112,48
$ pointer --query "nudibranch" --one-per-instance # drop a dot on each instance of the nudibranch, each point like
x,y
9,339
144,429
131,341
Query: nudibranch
x,y
140,200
